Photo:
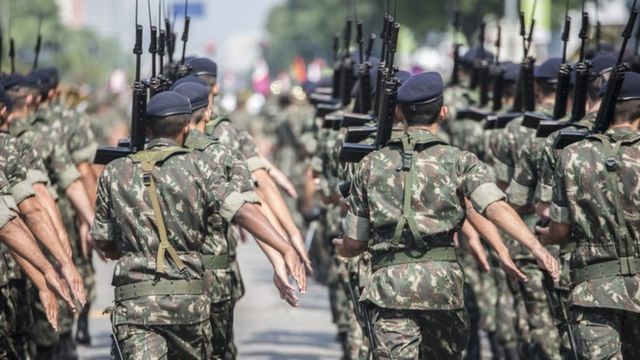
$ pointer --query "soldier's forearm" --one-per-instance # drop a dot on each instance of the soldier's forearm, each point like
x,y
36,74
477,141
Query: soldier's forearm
x,y
89,180
78,197
20,241
269,191
487,230
506,219
38,222
48,204
250,217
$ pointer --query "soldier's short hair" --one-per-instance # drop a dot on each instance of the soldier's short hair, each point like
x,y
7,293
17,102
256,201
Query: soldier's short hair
x,y
546,88
198,115
422,114
19,95
169,126
627,111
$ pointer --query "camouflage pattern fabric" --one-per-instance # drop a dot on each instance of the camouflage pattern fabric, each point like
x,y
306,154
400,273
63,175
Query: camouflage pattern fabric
x,y
416,334
606,334
582,199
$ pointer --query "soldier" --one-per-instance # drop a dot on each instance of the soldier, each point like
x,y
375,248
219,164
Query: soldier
x,y
162,307
595,203
405,205
216,249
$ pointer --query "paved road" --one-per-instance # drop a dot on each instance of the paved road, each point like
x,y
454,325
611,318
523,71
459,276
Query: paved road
x,y
266,327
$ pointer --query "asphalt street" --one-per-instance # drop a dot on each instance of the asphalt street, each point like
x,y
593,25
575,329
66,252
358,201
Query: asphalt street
x,y
266,328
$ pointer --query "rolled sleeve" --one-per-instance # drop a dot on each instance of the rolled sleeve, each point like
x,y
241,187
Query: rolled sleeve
x,y
546,192
255,163
22,190
356,228
8,210
68,176
484,195
316,164
235,201
503,171
85,154
103,230
519,194
37,176
560,214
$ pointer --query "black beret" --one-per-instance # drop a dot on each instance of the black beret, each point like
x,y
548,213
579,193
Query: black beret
x,y
202,66
511,72
600,64
421,88
548,70
168,103
476,53
15,80
197,94
189,79
630,87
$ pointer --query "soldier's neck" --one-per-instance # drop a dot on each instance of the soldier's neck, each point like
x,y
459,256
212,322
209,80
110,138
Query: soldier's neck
x,y
433,128
633,125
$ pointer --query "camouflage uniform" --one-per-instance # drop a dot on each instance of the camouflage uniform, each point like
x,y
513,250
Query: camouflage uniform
x,y
153,325
601,204
512,147
216,249
413,295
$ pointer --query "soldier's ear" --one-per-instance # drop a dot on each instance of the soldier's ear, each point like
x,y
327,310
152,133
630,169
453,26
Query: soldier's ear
x,y
444,111
399,114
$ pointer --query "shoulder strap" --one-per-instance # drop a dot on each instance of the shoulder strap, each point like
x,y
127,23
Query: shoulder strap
x,y
148,160
213,124
202,142
409,144
613,153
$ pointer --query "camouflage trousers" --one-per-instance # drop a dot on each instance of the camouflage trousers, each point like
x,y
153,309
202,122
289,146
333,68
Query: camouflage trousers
x,y
7,322
544,339
420,334
151,342
344,316
606,333
221,328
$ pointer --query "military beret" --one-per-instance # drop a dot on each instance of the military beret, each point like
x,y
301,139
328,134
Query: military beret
x,y
548,70
425,87
476,53
202,66
197,94
511,72
4,98
189,79
16,80
168,103
600,64
630,87
401,75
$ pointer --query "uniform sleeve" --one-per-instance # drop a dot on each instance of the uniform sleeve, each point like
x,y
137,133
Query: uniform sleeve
x,y
560,211
546,165
16,173
249,149
82,144
8,208
104,224
523,185
357,221
477,183
502,162
232,187
62,167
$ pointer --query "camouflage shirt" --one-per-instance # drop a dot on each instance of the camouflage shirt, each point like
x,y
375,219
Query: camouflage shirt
x,y
191,189
76,129
8,211
221,128
235,170
445,176
14,166
583,199
549,156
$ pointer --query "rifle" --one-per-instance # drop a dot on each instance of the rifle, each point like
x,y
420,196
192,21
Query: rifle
x,y
498,76
12,50
599,26
106,154
1,46
38,44
346,67
185,33
385,36
475,74
564,74
582,72
612,90
559,311
455,74
386,99
170,36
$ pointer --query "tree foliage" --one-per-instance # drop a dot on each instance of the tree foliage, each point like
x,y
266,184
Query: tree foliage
x,y
81,55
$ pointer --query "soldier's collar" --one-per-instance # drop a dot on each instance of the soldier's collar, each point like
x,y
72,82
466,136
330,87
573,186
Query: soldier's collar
x,y
622,133
161,142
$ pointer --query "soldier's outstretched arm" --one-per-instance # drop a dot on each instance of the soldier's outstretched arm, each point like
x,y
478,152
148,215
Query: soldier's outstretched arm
x,y
280,274
47,297
474,245
281,179
48,203
250,217
89,180
80,201
348,247
506,218
492,236
270,193
554,234
37,221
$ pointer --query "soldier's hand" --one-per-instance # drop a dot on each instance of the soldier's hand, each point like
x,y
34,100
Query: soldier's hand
x,y
75,282
509,267
58,287
298,243
50,304
292,261
547,262
281,281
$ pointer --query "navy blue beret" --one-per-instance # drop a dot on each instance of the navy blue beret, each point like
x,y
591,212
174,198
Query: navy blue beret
x,y
476,53
168,103
421,88
189,79
197,94
548,70
630,87
511,72
202,66
401,75
16,80
601,63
